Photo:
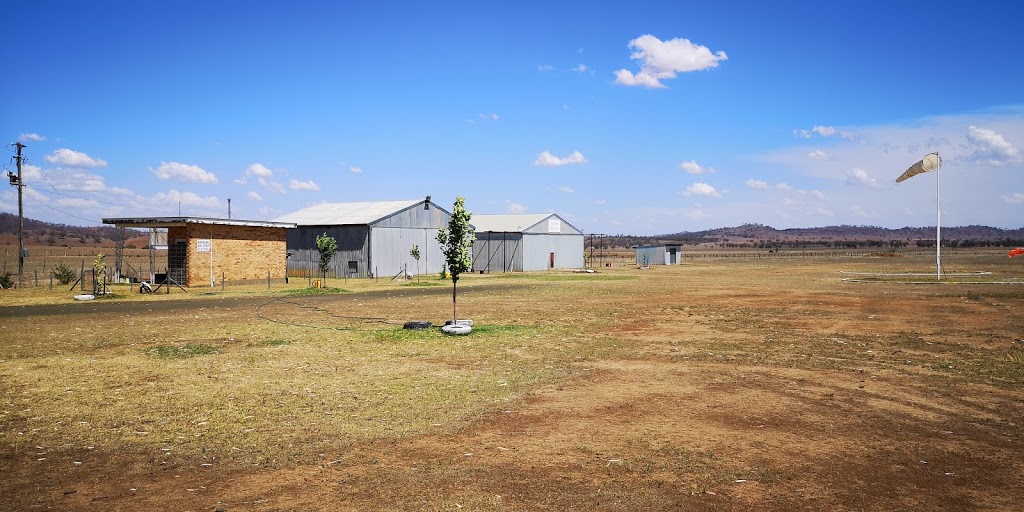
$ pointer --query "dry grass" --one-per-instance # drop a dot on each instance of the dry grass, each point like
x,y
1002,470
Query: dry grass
x,y
288,378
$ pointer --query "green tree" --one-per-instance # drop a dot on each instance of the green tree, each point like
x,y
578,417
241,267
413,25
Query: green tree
x,y
63,273
415,253
327,247
456,242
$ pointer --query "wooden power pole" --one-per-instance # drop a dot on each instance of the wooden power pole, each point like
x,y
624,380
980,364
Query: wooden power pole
x,y
16,182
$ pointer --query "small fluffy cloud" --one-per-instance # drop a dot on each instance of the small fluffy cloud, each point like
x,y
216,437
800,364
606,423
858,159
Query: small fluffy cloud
x,y
695,168
254,196
545,67
490,117
70,158
784,187
31,137
661,60
1014,198
824,131
579,69
546,159
258,169
861,177
600,202
702,190
990,148
173,197
757,184
567,190
355,170
818,155
270,185
304,185
515,207
183,172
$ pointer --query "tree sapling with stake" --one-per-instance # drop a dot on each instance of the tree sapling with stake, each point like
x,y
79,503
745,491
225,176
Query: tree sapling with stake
x,y
455,244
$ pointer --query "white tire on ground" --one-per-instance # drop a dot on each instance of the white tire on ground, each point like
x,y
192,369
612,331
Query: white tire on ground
x,y
85,297
457,330
460,322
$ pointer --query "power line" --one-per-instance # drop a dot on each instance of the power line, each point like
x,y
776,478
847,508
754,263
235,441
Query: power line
x,y
63,212
100,202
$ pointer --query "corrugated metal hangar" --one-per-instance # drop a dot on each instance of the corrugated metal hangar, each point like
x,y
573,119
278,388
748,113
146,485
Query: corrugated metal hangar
x,y
516,243
374,238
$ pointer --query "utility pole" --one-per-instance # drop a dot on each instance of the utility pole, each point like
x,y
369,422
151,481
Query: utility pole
x,y
229,208
16,182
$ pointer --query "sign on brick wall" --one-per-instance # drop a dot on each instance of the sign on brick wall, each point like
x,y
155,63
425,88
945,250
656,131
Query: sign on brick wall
x,y
202,245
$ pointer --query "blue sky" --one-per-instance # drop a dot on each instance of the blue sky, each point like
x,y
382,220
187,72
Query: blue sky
x,y
638,117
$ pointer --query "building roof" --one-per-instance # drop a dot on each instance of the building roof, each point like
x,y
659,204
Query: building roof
x,y
334,214
165,222
512,223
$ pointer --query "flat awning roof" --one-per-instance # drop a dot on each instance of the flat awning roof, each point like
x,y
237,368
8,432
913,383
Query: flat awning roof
x,y
167,222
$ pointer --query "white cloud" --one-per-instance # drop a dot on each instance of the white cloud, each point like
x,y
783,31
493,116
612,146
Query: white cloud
x,y
600,202
70,158
579,69
355,170
546,159
702,190
183,172
663,59
258,169
492,116
693,167
1014,198
31,137
824,131
783,187
757,184
861,177
189,199
515,207
271,185
990,148
818,155
77,202
304,185
121,191
255,196
545,67
567,190
31,172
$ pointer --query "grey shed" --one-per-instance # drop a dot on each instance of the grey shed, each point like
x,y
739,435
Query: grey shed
x,y
374,238
667,254
515,243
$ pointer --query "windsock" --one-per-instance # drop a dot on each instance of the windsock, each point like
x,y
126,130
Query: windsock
x,y
1017,251
930,162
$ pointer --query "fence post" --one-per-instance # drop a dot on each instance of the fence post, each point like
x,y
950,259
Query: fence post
x,y
222,281
268,279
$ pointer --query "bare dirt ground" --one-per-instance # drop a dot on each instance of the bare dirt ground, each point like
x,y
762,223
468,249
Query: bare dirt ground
x,y
720,385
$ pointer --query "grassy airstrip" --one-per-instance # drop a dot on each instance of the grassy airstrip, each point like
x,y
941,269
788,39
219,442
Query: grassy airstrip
x,y
289,377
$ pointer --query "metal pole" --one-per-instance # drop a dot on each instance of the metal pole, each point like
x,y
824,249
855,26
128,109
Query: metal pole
x,y
938,225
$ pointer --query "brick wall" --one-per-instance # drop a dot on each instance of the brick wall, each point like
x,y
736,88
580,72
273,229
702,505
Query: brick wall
x,y
238,252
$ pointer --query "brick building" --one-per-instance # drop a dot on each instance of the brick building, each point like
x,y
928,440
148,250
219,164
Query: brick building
x,y
203,251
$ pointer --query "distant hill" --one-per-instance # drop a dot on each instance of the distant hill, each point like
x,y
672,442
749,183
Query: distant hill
x,y
38,232
746,235
758,235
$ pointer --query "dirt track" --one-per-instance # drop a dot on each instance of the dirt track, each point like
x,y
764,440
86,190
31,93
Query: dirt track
x,y
796,393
